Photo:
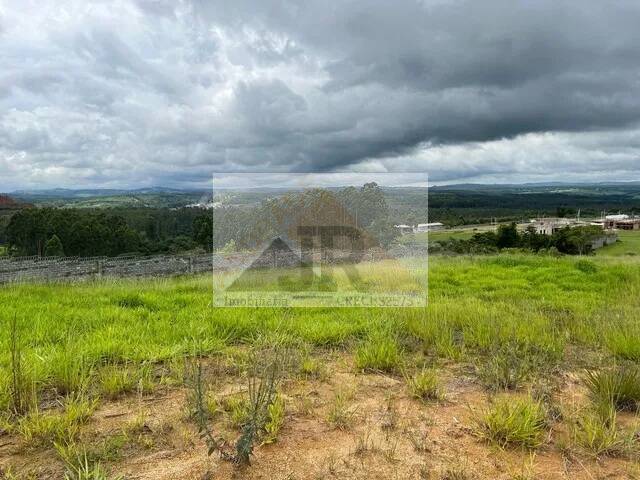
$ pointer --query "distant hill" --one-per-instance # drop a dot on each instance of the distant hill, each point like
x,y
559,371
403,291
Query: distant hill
x,y
8,203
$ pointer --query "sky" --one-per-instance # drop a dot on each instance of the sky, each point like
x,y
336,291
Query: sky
x,y
137,93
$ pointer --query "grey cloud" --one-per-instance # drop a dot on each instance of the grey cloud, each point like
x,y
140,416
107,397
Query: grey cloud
x,y
153,91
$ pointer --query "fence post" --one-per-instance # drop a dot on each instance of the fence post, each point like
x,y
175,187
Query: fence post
x,y
99,268
190,264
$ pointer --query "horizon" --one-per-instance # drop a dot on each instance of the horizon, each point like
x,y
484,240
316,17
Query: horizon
x,y
163,188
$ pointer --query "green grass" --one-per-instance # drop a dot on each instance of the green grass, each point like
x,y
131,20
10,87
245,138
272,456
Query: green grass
x,y
379,354
597,433
510,422
43,429
73,336
425,385
628,244
617,388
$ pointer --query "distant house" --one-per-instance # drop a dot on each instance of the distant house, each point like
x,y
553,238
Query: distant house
x,y
420,228
549,226
620,222
404,229
428,227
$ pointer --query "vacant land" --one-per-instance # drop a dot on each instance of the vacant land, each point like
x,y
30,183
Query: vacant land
x,y
522,366
628,245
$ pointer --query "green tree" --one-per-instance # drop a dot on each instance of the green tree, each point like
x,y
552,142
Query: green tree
x,y
203,231
507,236
53,247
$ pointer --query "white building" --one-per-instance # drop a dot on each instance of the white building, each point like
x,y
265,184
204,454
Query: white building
x,y
428,227
420,228
549,226
404,229
617,218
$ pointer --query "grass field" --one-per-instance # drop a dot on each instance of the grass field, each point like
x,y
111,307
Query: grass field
x,y
489,381
628,245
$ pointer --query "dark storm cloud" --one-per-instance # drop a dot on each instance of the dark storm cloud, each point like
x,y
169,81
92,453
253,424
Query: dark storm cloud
x,y
151,91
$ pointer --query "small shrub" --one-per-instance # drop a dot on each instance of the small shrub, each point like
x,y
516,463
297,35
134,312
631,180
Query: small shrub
x,y
513,422
378,355
198,409
264,378
618,387
425,385
265,370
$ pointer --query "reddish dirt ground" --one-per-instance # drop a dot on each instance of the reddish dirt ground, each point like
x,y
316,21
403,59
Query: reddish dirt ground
x,y
390,435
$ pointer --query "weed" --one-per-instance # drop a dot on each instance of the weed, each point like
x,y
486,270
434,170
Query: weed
x,y
42,429
304,405
70,372
115,380
455,472
526,469
624,343
618,387
419,441
389,416
22,393
379,354
425,385
340,414
517,422
200,413
505,369
79,465
597,435
276,413
311,368
238,409
263,382
585,266
543,390
364,443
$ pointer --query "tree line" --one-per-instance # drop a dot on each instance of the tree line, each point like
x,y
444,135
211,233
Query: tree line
x,y
568,240
81,232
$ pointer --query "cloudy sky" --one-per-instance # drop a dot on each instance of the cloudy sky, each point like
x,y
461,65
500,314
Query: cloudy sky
x,y
128,93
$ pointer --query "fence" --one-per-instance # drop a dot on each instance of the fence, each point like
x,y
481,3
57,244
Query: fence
x,y
69,268
24,269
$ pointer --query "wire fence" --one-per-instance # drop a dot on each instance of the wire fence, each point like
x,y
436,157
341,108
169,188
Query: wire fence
x,y
22,269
